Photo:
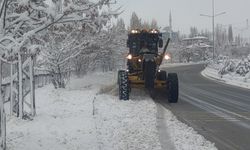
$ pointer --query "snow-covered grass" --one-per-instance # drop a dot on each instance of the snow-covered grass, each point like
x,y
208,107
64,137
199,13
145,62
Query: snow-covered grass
x,y
87,115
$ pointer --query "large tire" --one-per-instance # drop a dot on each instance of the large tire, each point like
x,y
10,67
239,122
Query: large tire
x,y
172,88
123,85
162,76
149,74
119,76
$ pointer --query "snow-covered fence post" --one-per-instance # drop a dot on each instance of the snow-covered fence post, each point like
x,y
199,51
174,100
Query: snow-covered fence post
x,y
32,86
3,5
11,89
20,86
2,114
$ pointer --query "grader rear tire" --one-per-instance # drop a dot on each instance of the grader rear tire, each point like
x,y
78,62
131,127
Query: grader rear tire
x,y
172,88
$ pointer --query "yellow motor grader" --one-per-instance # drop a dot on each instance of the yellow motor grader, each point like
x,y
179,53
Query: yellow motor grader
x,y
143,62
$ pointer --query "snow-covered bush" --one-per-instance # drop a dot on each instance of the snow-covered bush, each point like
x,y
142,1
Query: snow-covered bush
x,y
225,65
243,67
228,66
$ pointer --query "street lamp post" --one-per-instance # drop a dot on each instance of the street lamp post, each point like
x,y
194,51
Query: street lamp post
x,y
213,16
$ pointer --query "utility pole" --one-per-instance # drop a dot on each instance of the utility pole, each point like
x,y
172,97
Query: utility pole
x,y
213,28
213,22
170,26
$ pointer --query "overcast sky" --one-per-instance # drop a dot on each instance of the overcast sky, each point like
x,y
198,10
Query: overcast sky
x,y
186,13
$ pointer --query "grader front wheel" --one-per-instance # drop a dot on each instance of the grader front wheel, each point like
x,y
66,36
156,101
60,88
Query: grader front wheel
x,y
123,83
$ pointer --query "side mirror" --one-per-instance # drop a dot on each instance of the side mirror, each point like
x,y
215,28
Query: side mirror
x,y
160,43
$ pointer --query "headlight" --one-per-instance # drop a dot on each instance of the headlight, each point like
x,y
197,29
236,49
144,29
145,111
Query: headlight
x,y
134,31
167,57
139,60
154,31
129,56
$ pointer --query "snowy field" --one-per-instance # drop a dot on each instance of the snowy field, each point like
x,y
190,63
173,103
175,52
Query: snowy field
x,y
87,115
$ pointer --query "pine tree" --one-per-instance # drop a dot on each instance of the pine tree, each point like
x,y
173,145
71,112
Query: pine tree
x,y
135,21
193,32
146,25
154,24
230,34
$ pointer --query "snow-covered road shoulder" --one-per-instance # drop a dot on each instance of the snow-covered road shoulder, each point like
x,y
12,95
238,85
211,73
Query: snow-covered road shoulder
x,y
182,136
172,65
231,79
87,115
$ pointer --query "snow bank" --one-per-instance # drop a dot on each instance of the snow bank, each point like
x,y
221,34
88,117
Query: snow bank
x,y
83,117
179,64
213,71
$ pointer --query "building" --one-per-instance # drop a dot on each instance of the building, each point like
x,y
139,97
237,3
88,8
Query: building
x,y
197,48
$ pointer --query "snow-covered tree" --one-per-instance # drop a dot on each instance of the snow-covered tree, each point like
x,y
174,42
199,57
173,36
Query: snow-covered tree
x,y
230,34
193,32
154,24
228,66
59,50
146,25
106,53
243,67
25,19
64,41
25,22
135,21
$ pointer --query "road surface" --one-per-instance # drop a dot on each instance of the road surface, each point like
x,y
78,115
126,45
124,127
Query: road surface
x,y
219,112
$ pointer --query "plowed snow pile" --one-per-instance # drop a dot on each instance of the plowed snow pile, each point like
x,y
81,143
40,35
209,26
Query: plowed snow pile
x,y
83,117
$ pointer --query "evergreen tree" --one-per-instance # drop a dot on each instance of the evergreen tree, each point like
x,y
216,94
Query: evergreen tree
x,y
230,34
154,24
146,25
135,21
120,25
193,32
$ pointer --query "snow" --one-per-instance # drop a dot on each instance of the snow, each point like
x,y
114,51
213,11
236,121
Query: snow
x,y
230,71
231,79
166,64
87,115
184,137
196,38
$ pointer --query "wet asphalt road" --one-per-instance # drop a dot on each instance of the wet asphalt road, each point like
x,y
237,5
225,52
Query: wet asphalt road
x,y
219,112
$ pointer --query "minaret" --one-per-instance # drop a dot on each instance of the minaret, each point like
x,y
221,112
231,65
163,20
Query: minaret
x,y
170,25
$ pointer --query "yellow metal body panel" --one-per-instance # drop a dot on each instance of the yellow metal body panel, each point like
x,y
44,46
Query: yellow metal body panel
x,y
136,82
134,78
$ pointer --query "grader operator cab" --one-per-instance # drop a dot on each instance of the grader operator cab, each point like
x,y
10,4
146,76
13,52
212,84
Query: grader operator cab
x,y
143,62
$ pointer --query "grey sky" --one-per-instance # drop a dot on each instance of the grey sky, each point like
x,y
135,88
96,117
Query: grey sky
x,y
186,13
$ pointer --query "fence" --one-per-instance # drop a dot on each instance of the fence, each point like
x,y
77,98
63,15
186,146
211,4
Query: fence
x,y
40,81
